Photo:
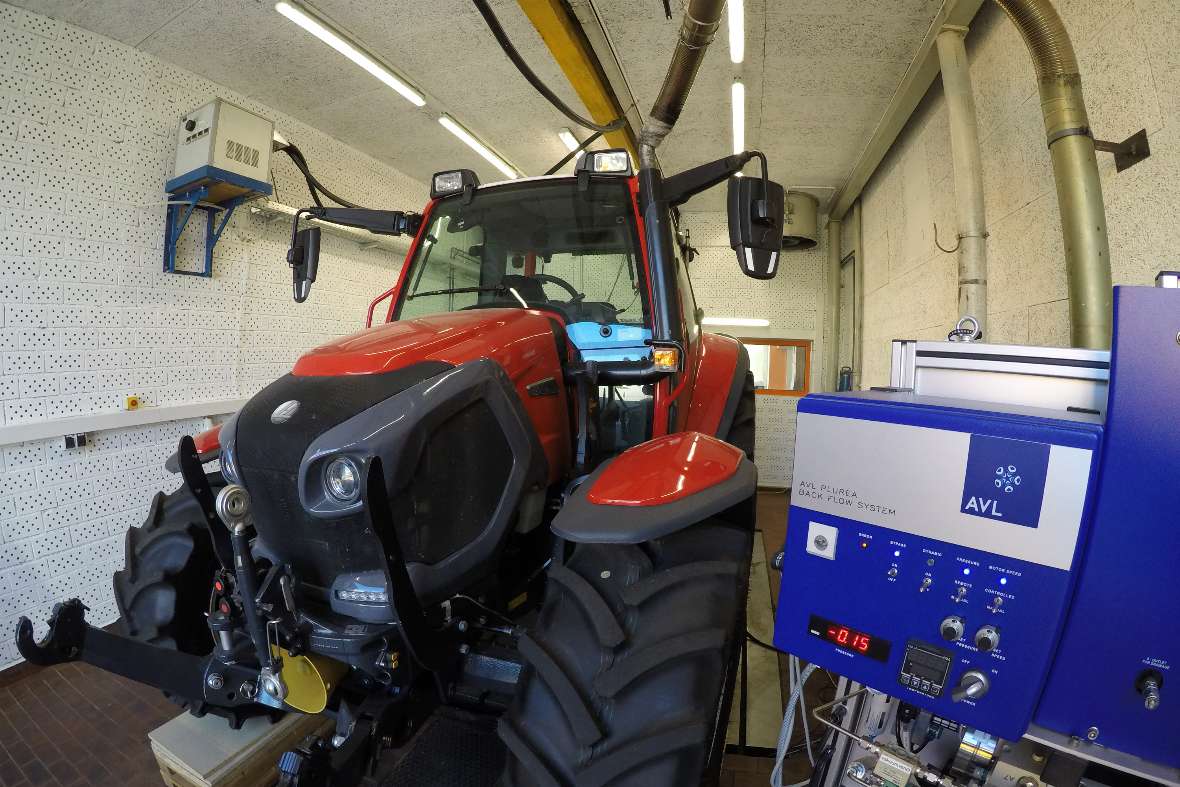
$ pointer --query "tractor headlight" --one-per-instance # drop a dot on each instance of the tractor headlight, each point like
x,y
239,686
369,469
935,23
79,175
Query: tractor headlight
x,y
342,479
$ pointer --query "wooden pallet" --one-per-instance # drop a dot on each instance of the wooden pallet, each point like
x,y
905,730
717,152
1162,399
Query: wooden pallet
x,y
205,752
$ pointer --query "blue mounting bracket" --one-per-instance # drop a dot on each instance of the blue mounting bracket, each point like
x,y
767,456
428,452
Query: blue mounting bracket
x,y
180,209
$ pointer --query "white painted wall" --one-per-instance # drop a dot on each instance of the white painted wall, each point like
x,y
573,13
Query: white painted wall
x,y
791,301
86,145
1130,74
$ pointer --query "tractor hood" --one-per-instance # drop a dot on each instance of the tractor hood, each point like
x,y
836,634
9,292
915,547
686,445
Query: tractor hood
x,y
529,345
520,340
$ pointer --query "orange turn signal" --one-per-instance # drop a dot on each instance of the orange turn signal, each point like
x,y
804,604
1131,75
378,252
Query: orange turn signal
x,y
666,359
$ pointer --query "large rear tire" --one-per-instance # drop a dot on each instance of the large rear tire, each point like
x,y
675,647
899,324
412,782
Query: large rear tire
x,y
630,667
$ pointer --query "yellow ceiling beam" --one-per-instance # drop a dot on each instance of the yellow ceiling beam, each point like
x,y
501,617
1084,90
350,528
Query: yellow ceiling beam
x,y
568,45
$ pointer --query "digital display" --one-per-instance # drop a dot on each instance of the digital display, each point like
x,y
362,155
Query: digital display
x,y
849,638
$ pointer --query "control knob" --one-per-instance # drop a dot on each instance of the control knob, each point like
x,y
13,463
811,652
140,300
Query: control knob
x,y
987,638
973,685
951,628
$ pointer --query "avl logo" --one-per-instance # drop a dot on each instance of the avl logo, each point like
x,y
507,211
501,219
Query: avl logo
x,y
1005,479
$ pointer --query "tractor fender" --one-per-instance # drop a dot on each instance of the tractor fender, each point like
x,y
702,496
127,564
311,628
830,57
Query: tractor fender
x,y
720,377
655,489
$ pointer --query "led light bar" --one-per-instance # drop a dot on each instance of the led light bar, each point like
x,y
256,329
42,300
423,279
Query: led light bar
x,y
737,32
342,45
568,139
737,322
738,94
483,150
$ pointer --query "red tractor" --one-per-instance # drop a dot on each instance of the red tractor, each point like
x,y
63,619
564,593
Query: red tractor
x,y
527,496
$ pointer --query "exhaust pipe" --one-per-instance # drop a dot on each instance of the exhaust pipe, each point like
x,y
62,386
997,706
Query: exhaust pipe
x,y
701,20
1075,170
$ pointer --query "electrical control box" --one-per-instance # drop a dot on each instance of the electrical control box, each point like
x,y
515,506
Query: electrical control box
x,y
932,547
225,147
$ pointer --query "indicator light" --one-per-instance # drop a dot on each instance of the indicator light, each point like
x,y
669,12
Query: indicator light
x,y
1003,580
864,544
897,553
966,572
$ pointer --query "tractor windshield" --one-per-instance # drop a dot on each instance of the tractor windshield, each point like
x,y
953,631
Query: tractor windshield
x,y
537,244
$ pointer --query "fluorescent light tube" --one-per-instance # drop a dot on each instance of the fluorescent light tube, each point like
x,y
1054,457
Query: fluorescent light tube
x,y
569,140
470,141
736,322
739,117
349,50
737,32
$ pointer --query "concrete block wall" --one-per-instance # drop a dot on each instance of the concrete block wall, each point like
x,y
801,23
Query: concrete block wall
x,y
87,130
791,301
1130,71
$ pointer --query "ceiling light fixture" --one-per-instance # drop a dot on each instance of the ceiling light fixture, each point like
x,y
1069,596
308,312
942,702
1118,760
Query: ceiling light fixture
x,y
737,322
739,117
569,140
737,31
483,150
323,32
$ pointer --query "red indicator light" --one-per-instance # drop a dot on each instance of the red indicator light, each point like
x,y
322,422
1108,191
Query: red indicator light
x,y
224,607
218,586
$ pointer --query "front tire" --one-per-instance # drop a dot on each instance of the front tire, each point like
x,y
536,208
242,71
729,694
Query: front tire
x,y
630,667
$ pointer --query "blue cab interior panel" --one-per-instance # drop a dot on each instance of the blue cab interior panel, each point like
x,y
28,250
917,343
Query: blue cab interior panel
x,y
932,548
1125,619
610,341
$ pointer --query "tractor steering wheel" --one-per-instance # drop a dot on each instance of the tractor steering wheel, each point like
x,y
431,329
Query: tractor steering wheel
x,y
575,296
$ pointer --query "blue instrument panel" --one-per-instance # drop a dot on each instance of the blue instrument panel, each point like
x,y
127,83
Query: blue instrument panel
x,y
610,341
1123,626
931,550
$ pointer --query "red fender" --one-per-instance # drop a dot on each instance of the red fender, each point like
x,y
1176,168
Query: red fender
x,y
721,371
665,469
657,488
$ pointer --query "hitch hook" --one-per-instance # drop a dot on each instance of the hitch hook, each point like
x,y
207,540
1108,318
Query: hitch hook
x,y
67,635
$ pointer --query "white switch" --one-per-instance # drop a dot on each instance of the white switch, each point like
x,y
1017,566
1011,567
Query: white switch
x,y
821,540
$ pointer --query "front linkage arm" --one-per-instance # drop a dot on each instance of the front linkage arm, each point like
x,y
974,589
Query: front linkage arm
x,y
201,679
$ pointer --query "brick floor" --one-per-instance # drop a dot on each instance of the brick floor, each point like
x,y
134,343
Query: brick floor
x,y
75,725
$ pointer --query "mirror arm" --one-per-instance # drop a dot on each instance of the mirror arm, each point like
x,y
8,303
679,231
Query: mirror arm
x,y
683,186
378,222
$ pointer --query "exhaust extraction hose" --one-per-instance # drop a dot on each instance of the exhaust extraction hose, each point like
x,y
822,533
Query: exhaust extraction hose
x,y
1075,169
701,20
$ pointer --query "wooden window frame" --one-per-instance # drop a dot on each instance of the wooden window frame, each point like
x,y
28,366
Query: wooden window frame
x,y
805,344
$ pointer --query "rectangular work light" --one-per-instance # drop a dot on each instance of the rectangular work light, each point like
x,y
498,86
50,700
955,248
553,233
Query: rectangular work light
x,y
606,162
323,32
483,150
452,182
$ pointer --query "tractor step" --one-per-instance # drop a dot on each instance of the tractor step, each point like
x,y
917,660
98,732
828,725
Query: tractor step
x,y
454,748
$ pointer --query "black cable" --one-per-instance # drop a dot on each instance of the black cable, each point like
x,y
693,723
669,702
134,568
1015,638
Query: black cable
x,y
765,645
313,184
574,152
506,44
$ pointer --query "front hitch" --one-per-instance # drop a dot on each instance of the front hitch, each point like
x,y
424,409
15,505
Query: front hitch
x,y
199,679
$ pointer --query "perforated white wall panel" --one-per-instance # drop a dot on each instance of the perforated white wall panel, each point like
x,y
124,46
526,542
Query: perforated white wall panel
x,y
791,301
86,145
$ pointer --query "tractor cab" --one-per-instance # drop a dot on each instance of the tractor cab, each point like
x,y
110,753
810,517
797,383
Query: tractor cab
x,y
567,246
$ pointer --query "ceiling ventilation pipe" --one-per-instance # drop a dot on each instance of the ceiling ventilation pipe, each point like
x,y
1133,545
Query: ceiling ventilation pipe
x,y
956,85
701,19
1075,169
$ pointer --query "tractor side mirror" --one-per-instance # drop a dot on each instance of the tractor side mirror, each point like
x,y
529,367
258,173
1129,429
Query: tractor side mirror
x,y
756,225
304,259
